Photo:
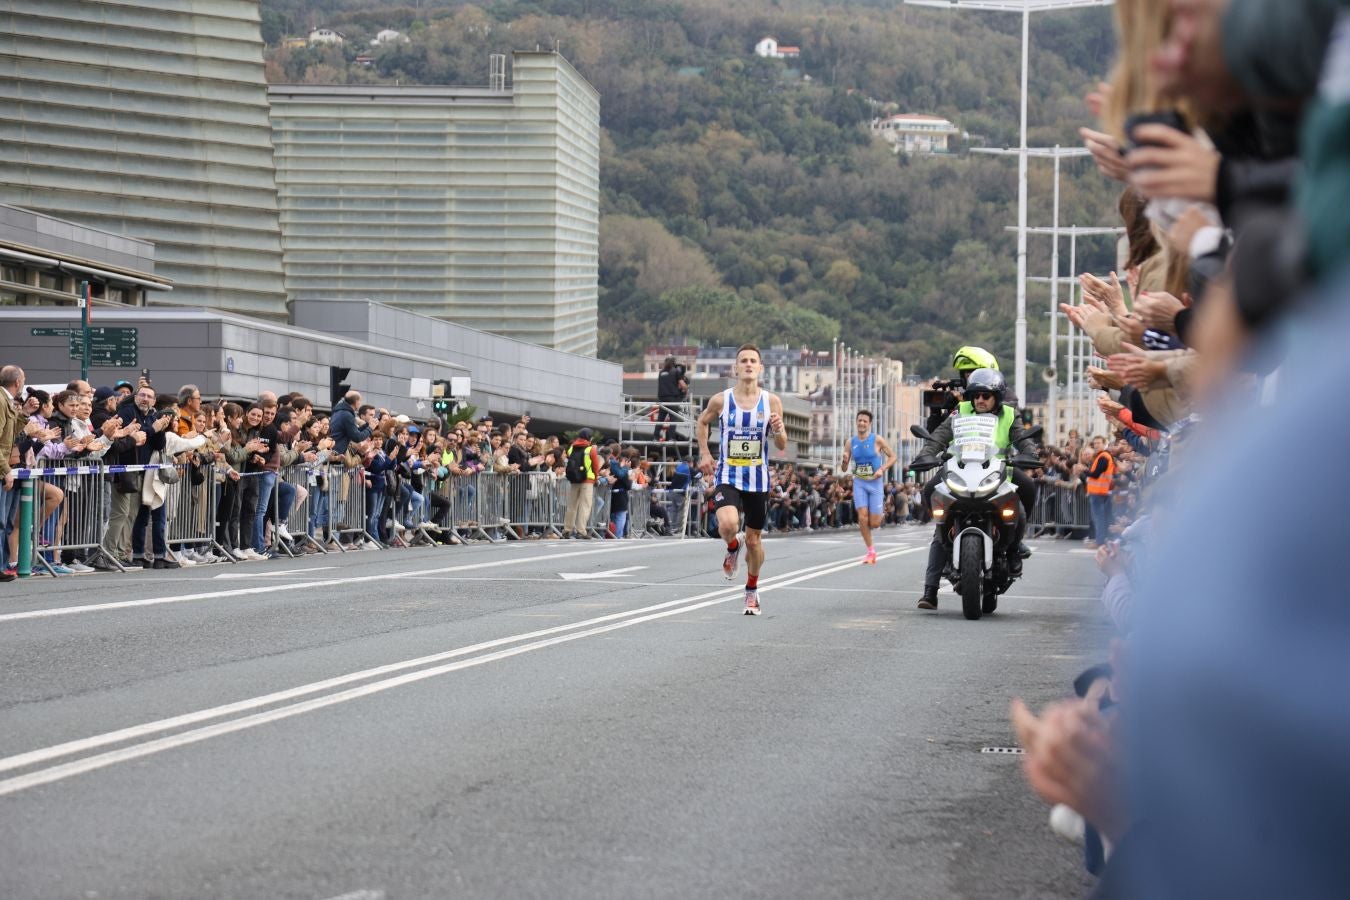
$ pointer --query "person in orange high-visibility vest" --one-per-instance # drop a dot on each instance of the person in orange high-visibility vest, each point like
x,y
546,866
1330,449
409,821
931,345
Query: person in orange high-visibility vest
x,y
1099,478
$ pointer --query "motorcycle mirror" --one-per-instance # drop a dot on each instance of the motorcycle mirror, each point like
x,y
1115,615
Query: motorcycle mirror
x,y
1035,431
920,432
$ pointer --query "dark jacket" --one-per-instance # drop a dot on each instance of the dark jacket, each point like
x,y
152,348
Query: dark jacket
x,y
671,385
344,429
125,449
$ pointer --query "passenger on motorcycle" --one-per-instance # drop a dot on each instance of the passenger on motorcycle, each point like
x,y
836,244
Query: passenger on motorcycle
x,y
984,394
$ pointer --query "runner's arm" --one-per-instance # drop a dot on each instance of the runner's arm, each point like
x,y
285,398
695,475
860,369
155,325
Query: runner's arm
x,y
888,453
705,420
776,421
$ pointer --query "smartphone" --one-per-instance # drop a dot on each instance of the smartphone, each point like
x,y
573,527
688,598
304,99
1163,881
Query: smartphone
x,y
1171,118
145,375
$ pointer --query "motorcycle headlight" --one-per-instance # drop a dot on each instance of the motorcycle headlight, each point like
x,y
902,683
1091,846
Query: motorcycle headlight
x,y
992,480
955,486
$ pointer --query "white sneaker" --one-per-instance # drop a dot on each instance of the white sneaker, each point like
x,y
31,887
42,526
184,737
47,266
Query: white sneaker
x,y
239,554
371,545
285,535
250,553
182,559
79,568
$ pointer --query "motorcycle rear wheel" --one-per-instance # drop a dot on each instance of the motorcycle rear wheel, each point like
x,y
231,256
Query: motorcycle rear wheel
x,y
972,576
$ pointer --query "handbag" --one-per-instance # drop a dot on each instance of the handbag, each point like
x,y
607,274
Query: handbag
x,y
169,474
127,482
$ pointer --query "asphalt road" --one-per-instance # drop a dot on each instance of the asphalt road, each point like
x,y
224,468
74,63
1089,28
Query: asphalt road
x,y
546,719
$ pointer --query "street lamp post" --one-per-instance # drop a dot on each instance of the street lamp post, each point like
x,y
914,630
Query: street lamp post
x,y
1077,352
1056,153
1026,7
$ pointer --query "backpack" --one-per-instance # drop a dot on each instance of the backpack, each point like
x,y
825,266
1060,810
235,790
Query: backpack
x,y
576,463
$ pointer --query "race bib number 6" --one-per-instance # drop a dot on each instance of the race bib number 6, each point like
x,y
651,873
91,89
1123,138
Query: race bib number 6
x,y
745,451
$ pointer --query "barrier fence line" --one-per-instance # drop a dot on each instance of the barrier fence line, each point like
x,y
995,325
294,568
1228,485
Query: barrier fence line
x,y
1060,510
88,513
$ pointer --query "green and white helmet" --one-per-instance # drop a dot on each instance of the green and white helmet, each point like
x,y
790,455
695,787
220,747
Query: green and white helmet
x,y
968,359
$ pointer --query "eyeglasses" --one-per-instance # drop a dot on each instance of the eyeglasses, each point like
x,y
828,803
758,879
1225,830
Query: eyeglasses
x,y
981,395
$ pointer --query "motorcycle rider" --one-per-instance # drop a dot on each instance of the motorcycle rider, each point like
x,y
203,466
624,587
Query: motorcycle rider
x,y
964,361
984,395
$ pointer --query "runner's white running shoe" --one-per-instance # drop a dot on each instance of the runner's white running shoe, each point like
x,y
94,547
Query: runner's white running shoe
x,y
733,559
751,602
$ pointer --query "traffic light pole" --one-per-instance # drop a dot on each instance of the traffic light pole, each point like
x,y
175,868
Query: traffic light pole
x,y
84,329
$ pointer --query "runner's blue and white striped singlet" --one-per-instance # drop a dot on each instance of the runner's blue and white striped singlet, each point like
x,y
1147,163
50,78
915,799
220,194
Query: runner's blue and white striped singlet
x,y
744,453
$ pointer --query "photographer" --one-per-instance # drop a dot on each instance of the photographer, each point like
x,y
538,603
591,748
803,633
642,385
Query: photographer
x,y
671,387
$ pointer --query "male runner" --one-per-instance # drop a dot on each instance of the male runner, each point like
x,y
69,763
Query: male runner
x,y
867,450
741,479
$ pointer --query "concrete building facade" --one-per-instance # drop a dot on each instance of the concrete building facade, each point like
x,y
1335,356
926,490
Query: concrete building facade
x,y
475,205
149,120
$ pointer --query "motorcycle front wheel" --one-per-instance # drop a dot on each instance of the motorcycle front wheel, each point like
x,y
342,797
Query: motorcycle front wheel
x,y
972,575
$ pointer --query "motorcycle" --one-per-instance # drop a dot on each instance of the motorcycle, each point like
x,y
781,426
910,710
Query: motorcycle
x,y
976,507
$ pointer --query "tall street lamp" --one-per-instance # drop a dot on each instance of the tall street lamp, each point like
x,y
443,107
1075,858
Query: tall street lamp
x,y
1026,8
1056,153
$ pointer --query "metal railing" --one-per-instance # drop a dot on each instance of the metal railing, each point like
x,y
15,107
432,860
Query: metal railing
x,y
324,506
1060,510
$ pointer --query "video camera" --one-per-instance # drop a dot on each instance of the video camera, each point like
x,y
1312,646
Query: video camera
x,y
944,395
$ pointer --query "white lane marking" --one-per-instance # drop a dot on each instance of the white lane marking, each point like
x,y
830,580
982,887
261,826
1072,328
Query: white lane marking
x,y
89,764
624,583
360,895
283,573
294,585
37,756
824,541
611,573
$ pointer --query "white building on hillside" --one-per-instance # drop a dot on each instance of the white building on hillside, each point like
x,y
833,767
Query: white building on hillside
x,y
326,36
388,36
769,47
913,133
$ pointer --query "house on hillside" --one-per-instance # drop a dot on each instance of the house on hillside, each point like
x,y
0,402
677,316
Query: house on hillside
x,y
914,133
326,36
769,48
388,36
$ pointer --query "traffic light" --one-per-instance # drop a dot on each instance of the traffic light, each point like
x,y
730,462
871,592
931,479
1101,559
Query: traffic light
x,y
337,388
1026,417
441,401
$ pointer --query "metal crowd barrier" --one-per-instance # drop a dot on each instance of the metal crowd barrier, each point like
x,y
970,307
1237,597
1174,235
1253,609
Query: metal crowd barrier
x,y
347,504
330,502
639,513
75,527
190,511
1060,510
598,525
538,513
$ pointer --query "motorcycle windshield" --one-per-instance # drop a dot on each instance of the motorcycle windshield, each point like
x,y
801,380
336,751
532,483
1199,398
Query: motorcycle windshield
x,y
973,438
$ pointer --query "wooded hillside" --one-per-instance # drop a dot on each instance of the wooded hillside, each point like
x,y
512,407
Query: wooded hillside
x,y
743,198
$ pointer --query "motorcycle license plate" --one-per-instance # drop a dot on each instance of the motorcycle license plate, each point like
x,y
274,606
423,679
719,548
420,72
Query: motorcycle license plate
x,y
972,451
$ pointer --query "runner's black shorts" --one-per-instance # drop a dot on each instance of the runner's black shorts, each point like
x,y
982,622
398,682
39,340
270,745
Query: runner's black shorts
x,y
755,504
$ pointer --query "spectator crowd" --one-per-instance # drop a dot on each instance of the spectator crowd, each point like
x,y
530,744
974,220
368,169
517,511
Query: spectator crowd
x,y
122,461
1203,757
